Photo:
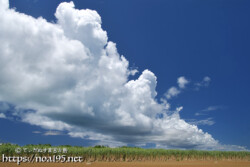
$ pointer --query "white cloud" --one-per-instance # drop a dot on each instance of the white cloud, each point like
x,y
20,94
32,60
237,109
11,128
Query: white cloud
x,y
212,108
4,5
208,109
172,92
70,78
2,115
182,81
198,114
52,133
208,121
206,79
36,132
204,83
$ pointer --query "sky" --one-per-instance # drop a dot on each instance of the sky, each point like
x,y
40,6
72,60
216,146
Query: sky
x,y
152,74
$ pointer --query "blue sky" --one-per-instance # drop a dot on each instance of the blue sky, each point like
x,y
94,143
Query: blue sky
x,y
190,38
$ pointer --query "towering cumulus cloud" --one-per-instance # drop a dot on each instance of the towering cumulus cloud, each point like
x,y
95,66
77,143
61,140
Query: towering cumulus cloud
x,y
67,76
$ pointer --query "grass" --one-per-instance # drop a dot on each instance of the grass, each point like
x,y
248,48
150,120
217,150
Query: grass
x,y
102,153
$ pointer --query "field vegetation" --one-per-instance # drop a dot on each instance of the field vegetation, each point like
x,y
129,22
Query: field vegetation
x,y
103,153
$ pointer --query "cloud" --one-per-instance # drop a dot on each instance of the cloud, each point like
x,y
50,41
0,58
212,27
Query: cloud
x,y
174,91
4,4
67,76
206,79
52,133
199,113
4,106
2,115
36,132
49,133
182,81
204,83
212,108
208,121
208,109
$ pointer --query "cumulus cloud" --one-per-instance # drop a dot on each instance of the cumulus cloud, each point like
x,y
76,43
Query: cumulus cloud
x,y
67,76
4,4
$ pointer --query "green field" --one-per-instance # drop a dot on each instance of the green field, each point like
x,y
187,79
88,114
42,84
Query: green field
x,y
102,153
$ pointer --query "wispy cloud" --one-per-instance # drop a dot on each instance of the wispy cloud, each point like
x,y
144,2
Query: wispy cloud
x,y
199,113
53,133
212,108
204,83
36,132
208,121
49,133
206,111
